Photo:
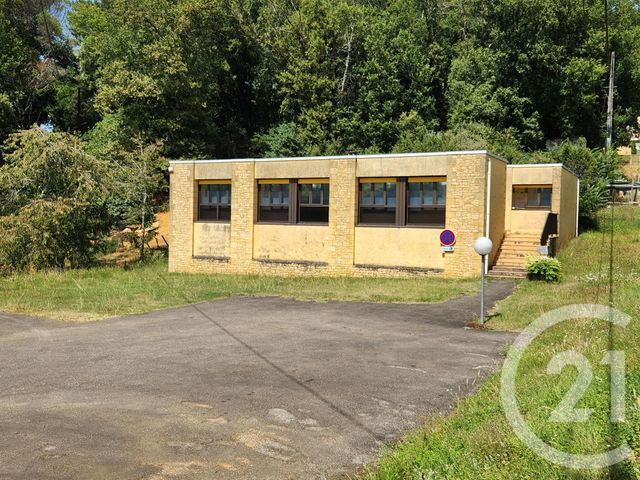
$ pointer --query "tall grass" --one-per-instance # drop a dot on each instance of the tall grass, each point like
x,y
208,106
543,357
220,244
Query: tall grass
x,y
80,295
476,442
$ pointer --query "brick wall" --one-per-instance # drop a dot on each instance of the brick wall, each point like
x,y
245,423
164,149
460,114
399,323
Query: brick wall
x,y
466,212
182,205
343,204
466,203
243,211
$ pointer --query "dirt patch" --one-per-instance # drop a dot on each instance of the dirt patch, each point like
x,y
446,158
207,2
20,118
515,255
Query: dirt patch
x,y
127,250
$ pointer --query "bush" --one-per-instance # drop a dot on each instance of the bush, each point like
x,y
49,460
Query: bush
x,y
593,198
47,234
544,268
53,203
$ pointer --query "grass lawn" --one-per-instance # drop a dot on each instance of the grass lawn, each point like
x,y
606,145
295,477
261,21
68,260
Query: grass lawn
x,y
475,441
82,295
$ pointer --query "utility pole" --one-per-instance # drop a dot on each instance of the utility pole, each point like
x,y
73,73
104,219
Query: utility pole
x,y
610,100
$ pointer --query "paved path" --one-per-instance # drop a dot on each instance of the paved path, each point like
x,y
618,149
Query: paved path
x,y
238,388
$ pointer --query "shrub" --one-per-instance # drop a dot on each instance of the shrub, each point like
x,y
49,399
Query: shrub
x,y
53,203
46,234
593,197
544,268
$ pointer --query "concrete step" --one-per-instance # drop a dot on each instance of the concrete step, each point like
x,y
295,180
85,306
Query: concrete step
x,y
519,269
532,236
514,243
519,252
511,260
518,249
504,273
523,235
508,271
510,265
521,244
518,256
516,260
515,268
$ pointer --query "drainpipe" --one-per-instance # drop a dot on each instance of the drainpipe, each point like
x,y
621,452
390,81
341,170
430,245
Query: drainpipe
x,y
488,218
578,208
196,205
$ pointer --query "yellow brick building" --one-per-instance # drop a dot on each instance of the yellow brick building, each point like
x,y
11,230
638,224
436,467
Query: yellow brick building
x,y
364,215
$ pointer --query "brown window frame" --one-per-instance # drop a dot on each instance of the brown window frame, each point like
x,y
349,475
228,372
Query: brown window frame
x,y
281,206
527,206
219,206
401,206
441,208
311,204
293,206
372,205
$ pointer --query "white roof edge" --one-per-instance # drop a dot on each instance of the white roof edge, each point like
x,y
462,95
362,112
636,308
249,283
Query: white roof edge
x,y
341,157
533,165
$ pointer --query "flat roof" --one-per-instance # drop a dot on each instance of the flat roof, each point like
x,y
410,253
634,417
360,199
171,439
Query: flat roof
x,y
340,157
381,155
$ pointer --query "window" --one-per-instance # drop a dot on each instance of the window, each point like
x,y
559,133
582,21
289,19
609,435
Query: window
x,y
405,201
214,203
313,201
274,201
293,201
426,201
532,197
378,201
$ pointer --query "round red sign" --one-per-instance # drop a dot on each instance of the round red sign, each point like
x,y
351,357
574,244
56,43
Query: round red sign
x,y
447,238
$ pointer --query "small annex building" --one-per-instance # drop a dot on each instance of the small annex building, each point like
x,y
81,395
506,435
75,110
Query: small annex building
x,y
365,215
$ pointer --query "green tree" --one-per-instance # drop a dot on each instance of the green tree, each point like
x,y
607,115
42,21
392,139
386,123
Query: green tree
x,y
53,202
141,177
476,96
283,140
346,72
34,54
416,136
399,72
229,77
175,71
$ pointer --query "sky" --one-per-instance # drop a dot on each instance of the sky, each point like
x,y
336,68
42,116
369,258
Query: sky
x,y
60,12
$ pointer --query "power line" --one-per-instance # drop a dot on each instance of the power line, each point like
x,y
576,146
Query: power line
x,y
611,261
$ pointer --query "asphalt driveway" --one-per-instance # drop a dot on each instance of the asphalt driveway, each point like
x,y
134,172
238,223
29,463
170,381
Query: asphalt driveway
x,y
238,388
